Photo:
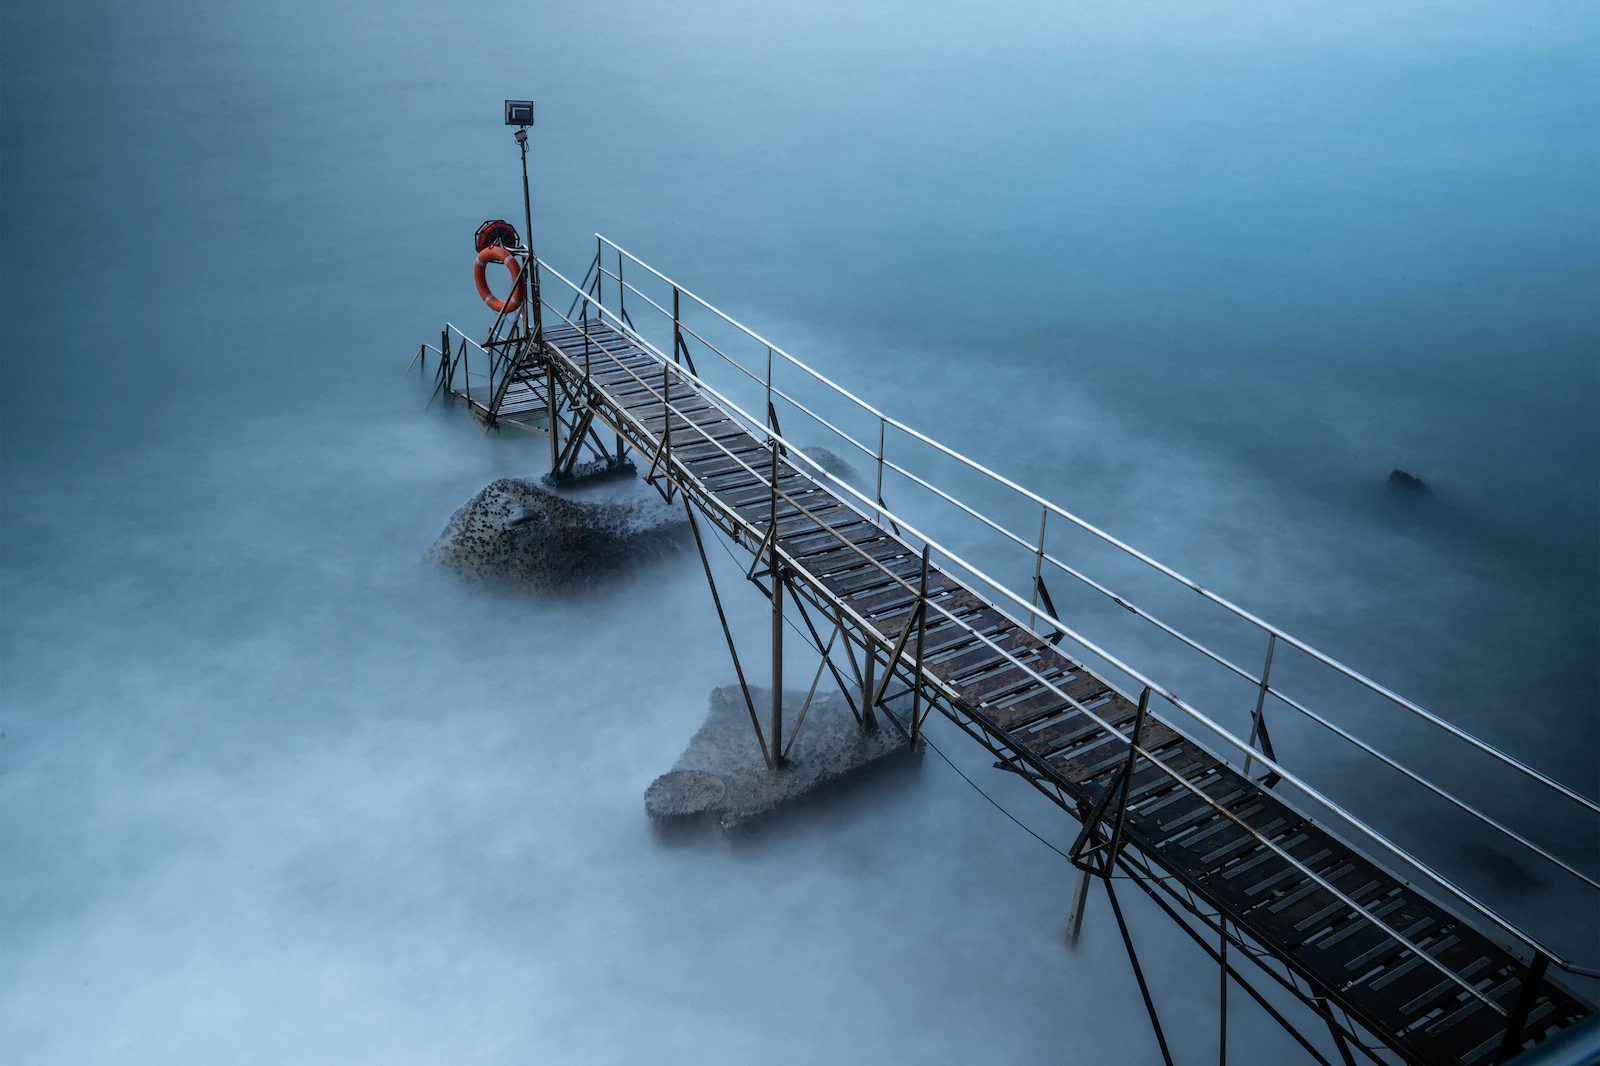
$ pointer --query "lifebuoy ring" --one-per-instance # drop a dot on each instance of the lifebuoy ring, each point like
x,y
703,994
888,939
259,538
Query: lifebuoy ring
x,y
496,254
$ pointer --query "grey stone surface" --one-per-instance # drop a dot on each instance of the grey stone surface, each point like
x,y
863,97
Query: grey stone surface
x,y
520,531
830,747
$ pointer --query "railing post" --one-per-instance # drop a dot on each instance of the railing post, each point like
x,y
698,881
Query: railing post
x,y
922,626
677,327
770,417
877,514
1038,564
1258,722
1511,1043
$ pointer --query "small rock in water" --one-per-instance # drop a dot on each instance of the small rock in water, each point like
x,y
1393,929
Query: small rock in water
x,y
721,777
1399,479
836,466
522,531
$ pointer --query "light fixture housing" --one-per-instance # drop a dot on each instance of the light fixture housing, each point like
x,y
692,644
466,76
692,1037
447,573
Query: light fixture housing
x,y
519,112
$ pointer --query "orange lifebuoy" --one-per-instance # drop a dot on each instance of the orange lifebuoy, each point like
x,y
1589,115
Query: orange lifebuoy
x,y
496,254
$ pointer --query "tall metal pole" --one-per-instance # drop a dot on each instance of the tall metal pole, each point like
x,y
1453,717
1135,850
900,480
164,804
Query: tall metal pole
x,y
531,282
1222,1010
530,306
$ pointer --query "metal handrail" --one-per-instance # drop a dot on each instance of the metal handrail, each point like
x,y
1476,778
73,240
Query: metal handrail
x,y
1264,626
668,409
1244,746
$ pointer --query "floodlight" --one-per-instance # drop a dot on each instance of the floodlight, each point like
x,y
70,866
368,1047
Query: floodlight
x,y
519,112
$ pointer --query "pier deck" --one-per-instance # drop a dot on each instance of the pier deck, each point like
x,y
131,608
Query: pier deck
x,y
1396,975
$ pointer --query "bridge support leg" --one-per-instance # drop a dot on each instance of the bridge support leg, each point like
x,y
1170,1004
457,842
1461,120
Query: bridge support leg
x,y
1339,1040
777,664
869,683
727,633
1222,999
1138,973
1080,896
551,417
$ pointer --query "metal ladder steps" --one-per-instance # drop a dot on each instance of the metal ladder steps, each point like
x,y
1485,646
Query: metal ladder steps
x,y
647,386
642,399
940,632
682,422
706,455
1322,932
572,345
751,490
598,334
806,542
758,508
1088,690
1089,760
624,379
897,600
725,474
869,576
800,522
733,476
945,635
621,379
841,559
986,690
974,656
611,371
1072,730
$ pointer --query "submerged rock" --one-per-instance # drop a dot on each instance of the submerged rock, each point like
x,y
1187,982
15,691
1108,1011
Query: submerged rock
x,y
721,778
522,531
837,467
1401,481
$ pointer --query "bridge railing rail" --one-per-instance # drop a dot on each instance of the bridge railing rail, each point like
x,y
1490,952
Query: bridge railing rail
x,y
769,358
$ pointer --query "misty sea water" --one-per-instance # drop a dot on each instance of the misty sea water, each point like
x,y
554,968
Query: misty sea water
x,y
273,790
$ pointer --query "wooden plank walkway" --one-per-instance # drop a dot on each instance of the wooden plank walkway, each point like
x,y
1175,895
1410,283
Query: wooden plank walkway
x,y
848,561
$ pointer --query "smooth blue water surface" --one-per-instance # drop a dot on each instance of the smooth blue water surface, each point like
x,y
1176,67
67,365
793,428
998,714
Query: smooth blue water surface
x,y
271,790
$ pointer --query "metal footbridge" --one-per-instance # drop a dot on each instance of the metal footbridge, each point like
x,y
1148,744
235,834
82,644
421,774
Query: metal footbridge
x,y
1391,959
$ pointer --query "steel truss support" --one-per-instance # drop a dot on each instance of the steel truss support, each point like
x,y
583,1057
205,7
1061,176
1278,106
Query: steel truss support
x,y
733,652
1168,892
1101,850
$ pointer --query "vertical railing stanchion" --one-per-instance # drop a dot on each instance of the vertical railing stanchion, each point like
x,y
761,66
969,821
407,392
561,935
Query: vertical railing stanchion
x,y
1038,565
877,511
677,330
1258,721
622,293
916,671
